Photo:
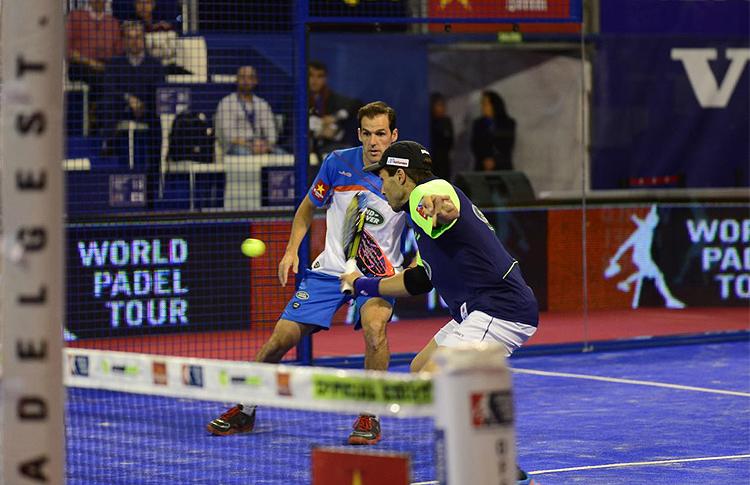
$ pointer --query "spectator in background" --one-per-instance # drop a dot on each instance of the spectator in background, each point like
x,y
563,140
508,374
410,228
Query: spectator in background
x,y
93,38
130,88
161,39
333,121
493,135
144,13
441,137
245,123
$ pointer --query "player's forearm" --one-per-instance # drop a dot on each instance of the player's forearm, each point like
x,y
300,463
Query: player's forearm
x,y
393,286
412,281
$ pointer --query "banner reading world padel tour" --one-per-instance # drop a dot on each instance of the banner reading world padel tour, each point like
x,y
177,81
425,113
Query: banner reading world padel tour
x,y
171,278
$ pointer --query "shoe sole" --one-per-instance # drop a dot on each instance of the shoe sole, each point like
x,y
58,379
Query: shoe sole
x,y
357,440
229,432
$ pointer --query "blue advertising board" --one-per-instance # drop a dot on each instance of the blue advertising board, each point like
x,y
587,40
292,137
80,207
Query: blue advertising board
x,y
134,279
671,106
724,18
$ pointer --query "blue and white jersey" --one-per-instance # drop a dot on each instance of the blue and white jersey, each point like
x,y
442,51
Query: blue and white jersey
x,y
466,262
339,180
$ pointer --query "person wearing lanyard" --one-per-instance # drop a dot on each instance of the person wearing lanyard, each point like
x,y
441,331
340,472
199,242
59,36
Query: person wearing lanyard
x,y
244,121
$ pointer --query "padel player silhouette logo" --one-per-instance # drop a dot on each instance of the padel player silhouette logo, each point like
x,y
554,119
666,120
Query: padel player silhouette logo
x,y
641,241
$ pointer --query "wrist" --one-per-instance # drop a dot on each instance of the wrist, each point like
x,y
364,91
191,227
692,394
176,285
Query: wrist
x,y
364,286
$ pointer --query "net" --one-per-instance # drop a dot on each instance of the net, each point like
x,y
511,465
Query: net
x,y
141,418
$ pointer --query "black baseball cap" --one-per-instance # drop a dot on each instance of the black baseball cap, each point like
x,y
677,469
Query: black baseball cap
x,y
403,154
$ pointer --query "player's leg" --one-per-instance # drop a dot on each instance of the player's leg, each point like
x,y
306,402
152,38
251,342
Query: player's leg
x,y
310,309
241,417
375,314
423,360
286,334
480,327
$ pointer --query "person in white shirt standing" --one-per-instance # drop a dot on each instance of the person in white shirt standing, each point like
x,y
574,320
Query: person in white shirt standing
x,y
244,122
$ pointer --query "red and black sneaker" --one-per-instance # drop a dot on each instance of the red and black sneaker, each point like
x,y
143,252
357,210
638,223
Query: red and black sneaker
x,y
236,420
366,430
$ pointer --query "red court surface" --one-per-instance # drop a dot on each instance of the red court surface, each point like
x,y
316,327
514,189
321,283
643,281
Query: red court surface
x,y
408,336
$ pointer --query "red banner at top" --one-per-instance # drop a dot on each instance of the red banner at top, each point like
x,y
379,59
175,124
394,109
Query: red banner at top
x,y
511,9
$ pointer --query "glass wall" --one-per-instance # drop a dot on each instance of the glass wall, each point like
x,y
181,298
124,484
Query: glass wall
x,y
607,148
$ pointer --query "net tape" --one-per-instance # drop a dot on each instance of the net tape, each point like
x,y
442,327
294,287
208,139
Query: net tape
x,y
278,385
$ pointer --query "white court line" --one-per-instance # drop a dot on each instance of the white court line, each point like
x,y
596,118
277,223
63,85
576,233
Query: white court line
x,y
630,381
620,465
637,463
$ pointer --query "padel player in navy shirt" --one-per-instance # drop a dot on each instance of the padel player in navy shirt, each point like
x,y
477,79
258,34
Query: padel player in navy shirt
x,y
459,255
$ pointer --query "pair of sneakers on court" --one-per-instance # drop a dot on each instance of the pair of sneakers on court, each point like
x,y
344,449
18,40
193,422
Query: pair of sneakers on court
x,y
241,419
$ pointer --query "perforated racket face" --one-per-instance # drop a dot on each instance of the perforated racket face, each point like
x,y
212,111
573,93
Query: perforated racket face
x,y
371,259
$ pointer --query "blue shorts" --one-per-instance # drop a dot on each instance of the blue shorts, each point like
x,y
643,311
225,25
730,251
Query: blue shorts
x,y
318,298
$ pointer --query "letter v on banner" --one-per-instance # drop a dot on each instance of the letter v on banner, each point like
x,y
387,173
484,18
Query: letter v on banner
x,y
705,86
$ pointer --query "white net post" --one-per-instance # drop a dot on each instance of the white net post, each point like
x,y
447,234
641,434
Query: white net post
x,y
32,241
474,417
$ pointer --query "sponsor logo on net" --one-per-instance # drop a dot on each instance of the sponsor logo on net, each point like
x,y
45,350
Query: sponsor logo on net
x,y
192,375
79,365
226,379
283,383
159,373
335,388
119,368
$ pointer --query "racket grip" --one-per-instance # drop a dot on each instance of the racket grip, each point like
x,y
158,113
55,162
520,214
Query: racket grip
x,y
349,267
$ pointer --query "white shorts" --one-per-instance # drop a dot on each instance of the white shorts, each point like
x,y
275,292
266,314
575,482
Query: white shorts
x,y
480,327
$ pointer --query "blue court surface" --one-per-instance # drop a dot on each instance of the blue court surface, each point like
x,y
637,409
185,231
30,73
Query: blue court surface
x,y
667,415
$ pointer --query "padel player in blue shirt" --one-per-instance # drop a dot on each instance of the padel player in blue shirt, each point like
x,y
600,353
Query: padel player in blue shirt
x,y
318,296
459,255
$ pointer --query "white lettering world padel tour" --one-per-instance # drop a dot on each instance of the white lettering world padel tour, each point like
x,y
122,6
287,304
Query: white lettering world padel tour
x,y
140,281
725,253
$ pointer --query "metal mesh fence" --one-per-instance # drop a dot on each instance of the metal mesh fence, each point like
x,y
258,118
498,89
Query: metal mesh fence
x,y
187,131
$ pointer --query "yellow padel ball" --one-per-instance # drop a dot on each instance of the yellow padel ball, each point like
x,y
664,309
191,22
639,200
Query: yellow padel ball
x,y
253,248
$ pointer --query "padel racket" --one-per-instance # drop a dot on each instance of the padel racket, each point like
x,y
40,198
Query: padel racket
x,y
354,223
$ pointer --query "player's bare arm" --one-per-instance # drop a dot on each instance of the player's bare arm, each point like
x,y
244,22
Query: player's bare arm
x,y
411,281
391,286
301,224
